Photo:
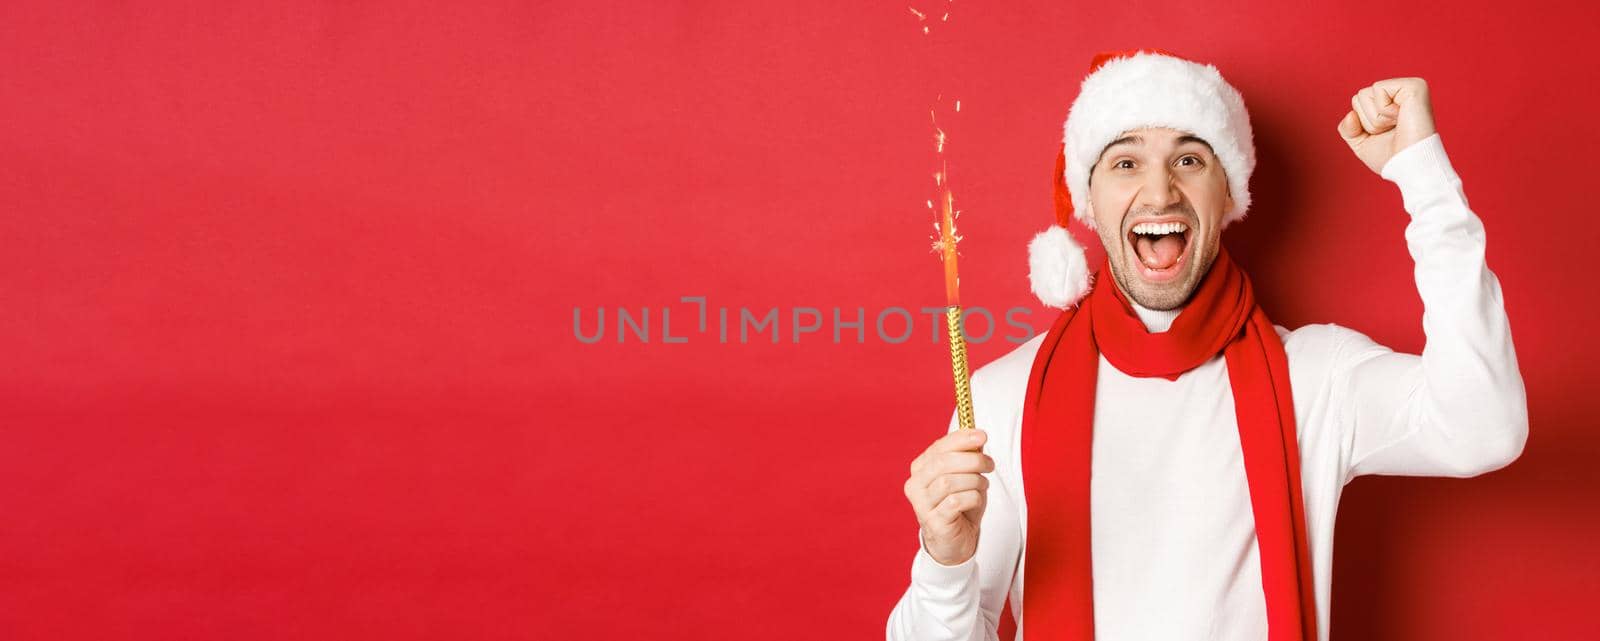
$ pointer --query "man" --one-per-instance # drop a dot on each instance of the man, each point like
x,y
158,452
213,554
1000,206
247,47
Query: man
x,y
1183,456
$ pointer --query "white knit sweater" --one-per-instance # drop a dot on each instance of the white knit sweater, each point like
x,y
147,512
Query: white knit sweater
x,y
1173,536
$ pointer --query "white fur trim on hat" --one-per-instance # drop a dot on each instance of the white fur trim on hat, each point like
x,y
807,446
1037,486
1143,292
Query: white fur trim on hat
x,y
1155,90
1057,268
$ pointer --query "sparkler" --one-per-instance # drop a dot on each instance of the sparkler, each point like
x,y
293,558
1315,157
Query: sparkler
x,y
946,239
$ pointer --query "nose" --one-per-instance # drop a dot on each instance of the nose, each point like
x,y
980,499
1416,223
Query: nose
x,y
1160,189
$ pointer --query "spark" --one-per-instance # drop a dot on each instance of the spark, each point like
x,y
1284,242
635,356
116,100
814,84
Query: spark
x,y
946,238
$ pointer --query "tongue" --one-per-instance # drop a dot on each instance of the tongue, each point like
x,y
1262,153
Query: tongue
x,y
1160,252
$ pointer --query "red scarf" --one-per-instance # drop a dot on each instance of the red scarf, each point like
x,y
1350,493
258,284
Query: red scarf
x,y
1057,435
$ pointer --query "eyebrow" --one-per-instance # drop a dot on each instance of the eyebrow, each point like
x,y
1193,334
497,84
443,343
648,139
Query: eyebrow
x,y
1135,140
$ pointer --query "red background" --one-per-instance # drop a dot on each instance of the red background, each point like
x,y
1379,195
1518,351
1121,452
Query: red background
x,y
286,301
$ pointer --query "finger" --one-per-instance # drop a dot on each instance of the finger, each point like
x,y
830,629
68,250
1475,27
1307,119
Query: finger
x,y
952,463
961,440
954,505
917,494
1357,106
1384,103
925,498
1373,114
948,484
960,462
1350,128
954,441
1400,90
1388,116
1386,91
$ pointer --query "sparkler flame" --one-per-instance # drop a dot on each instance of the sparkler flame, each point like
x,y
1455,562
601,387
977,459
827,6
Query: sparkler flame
x,y
946,239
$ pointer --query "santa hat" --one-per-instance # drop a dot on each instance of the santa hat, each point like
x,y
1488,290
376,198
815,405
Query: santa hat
x,y
1130,90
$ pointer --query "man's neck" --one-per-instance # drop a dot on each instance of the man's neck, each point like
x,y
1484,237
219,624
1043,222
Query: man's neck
x,y
1156,321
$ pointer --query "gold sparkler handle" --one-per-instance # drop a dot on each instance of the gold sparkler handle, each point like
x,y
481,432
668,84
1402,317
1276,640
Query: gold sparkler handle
x,y
958,366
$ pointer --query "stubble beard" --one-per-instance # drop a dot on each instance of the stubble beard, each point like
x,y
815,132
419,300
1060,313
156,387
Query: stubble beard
x,y
1163,296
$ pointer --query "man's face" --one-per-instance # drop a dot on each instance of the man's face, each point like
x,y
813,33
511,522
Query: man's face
x,y
1157,180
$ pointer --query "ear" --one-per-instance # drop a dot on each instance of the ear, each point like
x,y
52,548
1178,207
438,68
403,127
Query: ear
x,y
1088,213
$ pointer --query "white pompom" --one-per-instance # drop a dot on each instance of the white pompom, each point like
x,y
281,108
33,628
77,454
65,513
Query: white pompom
x,y
1058,270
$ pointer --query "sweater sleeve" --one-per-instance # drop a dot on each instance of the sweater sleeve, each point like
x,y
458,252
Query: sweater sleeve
x,y
1460,408
963,602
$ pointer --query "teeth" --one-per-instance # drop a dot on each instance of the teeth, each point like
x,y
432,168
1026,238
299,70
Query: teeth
x,y
1157,229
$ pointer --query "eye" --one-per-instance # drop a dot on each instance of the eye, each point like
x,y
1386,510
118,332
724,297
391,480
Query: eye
x,y
1118,164
1197,161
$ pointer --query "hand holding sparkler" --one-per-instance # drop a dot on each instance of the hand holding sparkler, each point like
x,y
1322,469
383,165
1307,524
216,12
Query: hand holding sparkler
x,y
949,493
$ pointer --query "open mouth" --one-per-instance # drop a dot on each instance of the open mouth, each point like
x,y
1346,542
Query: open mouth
x,y
1160,248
